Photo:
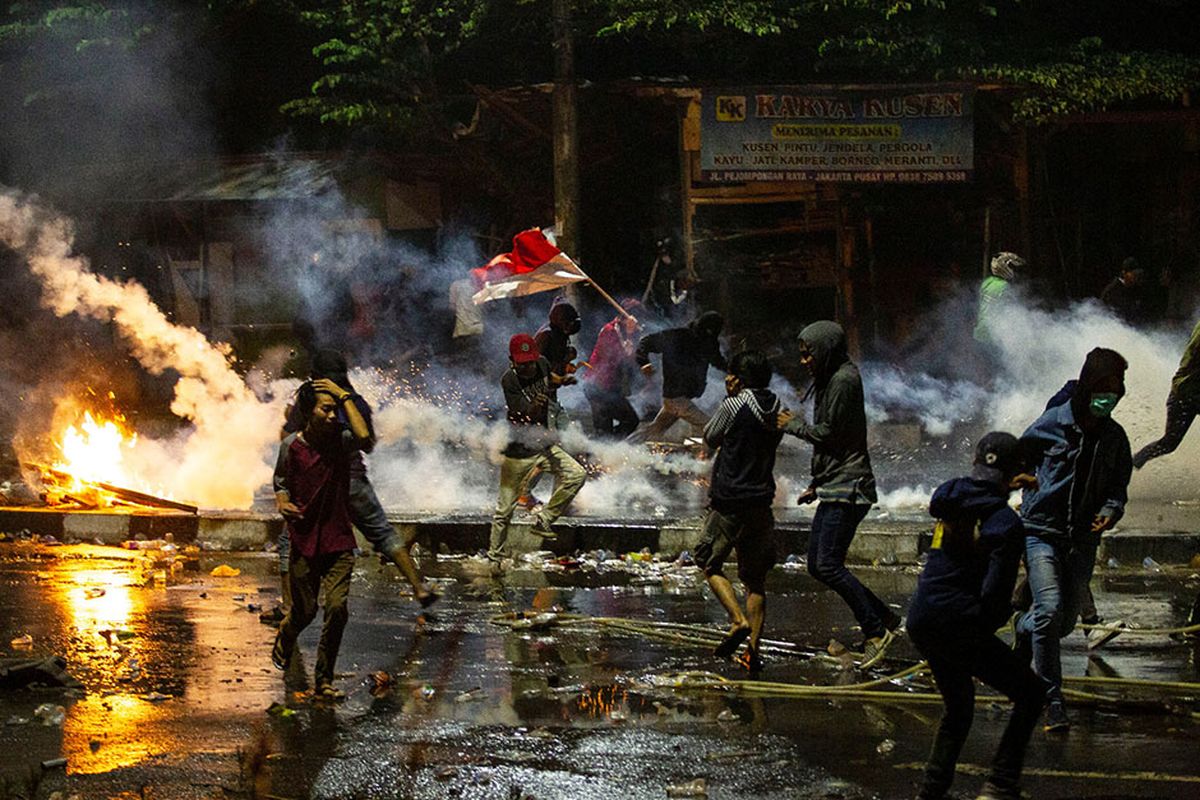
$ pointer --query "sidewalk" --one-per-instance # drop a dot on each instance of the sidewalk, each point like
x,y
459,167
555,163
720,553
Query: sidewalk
x,y
883,538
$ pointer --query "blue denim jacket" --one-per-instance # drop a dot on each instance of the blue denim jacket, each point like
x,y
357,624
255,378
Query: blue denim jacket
x,y
1055,442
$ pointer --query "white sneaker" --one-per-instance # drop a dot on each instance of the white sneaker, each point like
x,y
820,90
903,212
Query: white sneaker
x,y
1100,636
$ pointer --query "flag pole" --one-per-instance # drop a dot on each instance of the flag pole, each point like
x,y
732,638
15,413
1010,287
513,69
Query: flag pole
x,y
603,293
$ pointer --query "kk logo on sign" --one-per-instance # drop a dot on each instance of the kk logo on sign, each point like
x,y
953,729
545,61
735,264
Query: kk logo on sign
x,y
731,109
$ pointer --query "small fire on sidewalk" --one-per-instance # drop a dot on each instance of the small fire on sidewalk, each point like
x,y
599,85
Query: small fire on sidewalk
x,y
89,472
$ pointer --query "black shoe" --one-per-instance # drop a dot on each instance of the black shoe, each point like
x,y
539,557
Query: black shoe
x,y
1056,717
991,791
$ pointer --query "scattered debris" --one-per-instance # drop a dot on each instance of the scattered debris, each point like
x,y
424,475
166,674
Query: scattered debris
x,y
1152,565
45,672
470,695
382,683
225,571
22,642
54,763
156,697
280,710
52,716
885,747
728,715
696,788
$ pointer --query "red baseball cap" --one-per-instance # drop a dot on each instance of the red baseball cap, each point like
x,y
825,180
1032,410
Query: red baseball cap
x,y
522,349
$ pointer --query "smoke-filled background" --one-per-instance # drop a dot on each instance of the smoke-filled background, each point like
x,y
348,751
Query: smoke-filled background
x,y
89,336
440,421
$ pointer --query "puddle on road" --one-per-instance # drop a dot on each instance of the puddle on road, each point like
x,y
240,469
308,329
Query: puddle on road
x,y
178,683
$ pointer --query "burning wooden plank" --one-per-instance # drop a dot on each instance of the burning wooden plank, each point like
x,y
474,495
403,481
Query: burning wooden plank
x,y
58,477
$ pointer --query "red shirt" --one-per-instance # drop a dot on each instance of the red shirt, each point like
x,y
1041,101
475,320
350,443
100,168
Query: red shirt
x,y
612,359
317,480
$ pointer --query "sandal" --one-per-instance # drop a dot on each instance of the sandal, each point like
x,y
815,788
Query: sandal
x,y
327,691
732,641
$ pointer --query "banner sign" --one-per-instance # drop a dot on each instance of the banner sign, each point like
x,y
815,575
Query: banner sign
x,y
868,134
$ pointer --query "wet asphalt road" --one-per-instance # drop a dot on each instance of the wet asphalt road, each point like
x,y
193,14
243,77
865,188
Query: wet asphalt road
x,y
177,693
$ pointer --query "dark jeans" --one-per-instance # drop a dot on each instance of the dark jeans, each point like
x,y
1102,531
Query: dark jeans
x,y
368,516
1180,414
612,415
1059,573
308,577
957,656
832,531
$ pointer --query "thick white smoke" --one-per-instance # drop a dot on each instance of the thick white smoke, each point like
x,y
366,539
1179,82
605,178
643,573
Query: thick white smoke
x,y
225,455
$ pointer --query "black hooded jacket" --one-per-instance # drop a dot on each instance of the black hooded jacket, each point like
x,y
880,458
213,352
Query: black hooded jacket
x,y
686,354
743,474
972,567
841,466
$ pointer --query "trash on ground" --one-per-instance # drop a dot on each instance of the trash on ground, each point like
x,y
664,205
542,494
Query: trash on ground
x,y
696,788
225,571
24,642
382,683
885,747
280,710
470,695
48,672
51,715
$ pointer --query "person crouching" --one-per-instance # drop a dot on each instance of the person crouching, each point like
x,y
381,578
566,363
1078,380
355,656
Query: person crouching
x,y
742,491
962,597
312,492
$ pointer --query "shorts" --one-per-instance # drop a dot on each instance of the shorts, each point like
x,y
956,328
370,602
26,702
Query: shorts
x,y
750,532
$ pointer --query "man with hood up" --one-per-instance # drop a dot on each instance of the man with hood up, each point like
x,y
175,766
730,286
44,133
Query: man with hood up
x,y
842,480
740,497
961,598
1083,465
686,355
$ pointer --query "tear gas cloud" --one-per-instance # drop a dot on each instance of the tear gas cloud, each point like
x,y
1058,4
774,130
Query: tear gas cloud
x,y
441,427
221,457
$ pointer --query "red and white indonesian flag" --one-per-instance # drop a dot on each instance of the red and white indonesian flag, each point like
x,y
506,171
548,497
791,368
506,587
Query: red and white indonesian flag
x,y
534,265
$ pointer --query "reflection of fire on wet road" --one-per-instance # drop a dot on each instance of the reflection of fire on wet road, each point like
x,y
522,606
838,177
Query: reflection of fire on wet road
x,y
104,731
604,701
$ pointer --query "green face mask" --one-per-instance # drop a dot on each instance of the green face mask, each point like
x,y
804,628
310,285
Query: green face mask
x,y
1102,405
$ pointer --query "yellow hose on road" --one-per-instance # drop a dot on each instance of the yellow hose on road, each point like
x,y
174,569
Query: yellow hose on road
x,y
703,636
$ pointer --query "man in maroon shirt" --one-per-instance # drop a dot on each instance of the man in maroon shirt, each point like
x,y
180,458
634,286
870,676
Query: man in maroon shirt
x,y
312,492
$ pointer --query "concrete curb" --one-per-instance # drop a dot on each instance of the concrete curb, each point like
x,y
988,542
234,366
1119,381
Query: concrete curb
x,y
891,542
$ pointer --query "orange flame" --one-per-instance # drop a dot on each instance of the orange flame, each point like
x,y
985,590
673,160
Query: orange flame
x,y
95,450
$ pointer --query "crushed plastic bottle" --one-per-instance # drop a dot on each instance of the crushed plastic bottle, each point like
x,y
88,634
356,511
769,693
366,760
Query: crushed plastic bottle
x,y
52,716
427,691
1151,565
1112,563
885,747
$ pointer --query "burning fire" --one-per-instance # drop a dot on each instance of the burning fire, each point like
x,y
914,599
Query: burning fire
x,y
94,451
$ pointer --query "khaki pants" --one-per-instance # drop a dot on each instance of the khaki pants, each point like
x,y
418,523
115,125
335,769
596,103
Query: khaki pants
x,y
307,577
568,479
673,409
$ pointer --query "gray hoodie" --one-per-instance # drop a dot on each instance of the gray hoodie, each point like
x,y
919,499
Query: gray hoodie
x,y
841,466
